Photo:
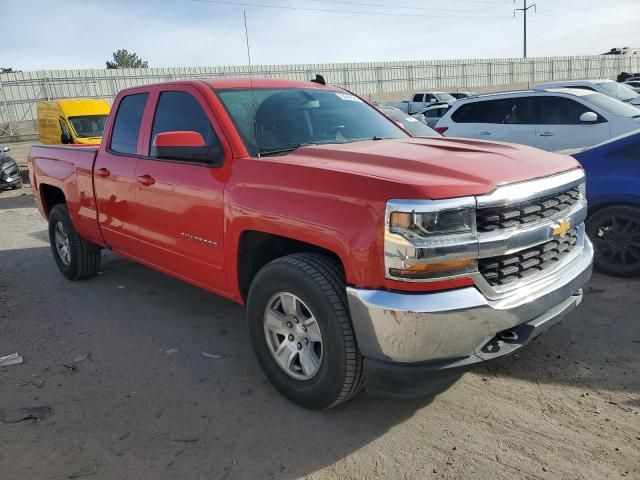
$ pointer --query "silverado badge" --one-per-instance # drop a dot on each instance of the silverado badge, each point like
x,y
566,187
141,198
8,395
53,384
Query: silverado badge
x,y
562,228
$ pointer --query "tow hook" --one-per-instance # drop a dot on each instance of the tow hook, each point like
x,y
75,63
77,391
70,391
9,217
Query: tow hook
x,y
508,336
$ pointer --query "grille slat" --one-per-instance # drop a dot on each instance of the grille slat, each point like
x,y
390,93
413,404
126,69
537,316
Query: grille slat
x,y
496,218
506,269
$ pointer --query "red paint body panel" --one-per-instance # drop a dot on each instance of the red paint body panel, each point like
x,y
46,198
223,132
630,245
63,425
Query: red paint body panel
x,y
186,220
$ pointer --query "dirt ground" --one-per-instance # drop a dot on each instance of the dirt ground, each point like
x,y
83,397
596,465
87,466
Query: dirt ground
x,y
118,359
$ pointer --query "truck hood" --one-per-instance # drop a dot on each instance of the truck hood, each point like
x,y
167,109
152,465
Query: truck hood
x,y
441,167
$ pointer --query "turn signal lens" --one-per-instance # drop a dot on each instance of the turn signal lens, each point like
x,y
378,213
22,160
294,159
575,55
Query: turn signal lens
x,y
431,270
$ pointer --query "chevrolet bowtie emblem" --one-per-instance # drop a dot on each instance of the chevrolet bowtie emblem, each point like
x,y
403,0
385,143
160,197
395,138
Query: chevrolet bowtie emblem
x,y
562,228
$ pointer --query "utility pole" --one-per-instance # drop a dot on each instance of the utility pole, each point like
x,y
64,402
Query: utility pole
x,y
524,10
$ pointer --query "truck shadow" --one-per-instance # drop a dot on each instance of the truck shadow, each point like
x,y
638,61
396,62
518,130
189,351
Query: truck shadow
x,y
144,398
596,347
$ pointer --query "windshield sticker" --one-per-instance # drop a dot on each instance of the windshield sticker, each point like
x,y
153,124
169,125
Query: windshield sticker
x,y
346,96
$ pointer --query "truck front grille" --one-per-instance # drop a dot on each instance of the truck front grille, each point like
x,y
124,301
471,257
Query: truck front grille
x,y
505,269
517,214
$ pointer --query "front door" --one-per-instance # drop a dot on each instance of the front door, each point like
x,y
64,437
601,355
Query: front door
x,y
560,127
180,202
114,176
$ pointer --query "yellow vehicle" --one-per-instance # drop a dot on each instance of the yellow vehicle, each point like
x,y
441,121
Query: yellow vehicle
x,y
72,121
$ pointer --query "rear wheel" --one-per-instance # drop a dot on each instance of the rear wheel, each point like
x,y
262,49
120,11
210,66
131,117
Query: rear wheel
x,y
301,331
615,233
76,258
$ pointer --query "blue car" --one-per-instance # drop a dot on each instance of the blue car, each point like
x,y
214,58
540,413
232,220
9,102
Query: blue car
x,y
613,193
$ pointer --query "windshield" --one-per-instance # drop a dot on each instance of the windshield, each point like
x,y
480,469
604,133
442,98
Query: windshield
x,y
412,125
619,91
445,97
284,119
612,106
88,125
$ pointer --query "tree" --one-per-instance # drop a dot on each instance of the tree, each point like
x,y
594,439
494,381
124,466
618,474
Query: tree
x,y
124,59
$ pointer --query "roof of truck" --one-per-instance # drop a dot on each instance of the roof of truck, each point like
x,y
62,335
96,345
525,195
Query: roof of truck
x,y
224,83
74,107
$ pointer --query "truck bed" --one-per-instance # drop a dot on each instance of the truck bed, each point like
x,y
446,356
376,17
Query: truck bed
x,y
70,170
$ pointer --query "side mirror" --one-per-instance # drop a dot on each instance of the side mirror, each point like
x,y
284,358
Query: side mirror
x,y
5,149
65,139
185,145
589,117
433,100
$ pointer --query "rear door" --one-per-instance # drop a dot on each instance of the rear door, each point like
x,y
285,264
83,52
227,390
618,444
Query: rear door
x,y
114,175
560,127
180,203
507,120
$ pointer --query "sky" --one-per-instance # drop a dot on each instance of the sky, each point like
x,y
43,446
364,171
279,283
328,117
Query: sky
x,y
68,34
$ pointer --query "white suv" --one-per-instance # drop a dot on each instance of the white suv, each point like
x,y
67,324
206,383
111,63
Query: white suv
x,y
553,119
608,87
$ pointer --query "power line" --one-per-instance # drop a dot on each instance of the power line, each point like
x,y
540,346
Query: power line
x,y
355,12
406,7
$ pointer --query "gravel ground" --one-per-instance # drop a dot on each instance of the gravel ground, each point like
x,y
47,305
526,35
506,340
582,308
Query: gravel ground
x,y
118,358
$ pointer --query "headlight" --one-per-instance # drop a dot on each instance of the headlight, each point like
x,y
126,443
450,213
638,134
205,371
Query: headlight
x,y
431,223
430,239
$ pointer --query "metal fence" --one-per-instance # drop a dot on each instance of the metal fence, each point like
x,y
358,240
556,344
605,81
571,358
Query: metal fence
x,y
20,91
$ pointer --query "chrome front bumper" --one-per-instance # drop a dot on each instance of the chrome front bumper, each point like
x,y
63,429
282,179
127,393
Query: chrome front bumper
x,y
457,324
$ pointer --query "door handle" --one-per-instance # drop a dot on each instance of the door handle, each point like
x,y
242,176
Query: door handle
x,y
103,172
145,180
484,133
546,134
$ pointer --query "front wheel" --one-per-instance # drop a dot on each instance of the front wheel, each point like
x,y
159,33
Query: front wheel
x,y
301,331
615,233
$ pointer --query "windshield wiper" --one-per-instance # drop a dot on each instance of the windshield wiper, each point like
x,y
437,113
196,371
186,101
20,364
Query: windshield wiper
x,y
280,151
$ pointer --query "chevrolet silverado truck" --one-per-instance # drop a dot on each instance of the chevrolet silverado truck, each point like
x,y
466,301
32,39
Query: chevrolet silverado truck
x,y
365,257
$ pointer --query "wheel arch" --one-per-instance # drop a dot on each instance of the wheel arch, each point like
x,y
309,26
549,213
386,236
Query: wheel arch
x,y
258,248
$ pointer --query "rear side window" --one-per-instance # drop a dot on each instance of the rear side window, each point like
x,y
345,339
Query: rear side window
x,y
509,111
180,111
469,113
126,127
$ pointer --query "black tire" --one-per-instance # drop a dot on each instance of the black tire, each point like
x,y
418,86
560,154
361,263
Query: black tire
x,y
615,233
84,257
318,281
17,186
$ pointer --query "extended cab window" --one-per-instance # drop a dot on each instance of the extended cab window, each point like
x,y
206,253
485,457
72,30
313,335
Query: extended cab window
x,y
126,126
179,112
418,97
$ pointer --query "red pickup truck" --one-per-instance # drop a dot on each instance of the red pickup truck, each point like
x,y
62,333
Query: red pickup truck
x,y
365,257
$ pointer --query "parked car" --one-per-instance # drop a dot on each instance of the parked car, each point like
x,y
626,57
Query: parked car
x,y
627,76
461,95
634,84
409,122
613,89
613,192
552,119
72,121
432,115
422,100
365,257
9,172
